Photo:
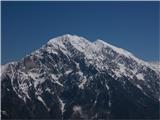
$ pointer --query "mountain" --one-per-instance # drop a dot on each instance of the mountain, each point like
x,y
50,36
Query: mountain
x,y
72,78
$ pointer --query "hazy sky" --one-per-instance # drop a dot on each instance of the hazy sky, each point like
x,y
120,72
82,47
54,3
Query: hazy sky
x,y
26,26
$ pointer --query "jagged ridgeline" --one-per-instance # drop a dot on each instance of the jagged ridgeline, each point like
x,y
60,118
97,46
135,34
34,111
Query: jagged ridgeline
x,y
72,78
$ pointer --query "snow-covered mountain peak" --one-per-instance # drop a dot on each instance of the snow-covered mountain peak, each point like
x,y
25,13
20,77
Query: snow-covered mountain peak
x,y
75,41
67,67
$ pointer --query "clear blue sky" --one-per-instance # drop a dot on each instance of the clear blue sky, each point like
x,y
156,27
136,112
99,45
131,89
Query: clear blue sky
x,y
26,26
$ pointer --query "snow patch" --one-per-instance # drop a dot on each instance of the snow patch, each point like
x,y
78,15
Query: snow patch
x,y
107,86
77,108
36,78
109,103
48,90
41,100
62,105
55,77
55,80
67,72
83,83
140,76
4,113
139,87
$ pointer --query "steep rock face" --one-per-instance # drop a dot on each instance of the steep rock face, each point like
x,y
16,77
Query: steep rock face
x,y
72,78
